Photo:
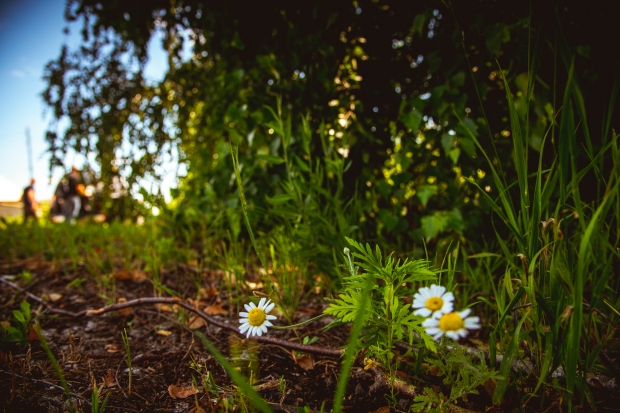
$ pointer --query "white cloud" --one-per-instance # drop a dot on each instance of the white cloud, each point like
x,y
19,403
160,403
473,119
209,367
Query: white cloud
x,y
18,73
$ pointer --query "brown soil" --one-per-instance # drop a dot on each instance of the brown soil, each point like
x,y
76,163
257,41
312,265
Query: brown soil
x,y
166,352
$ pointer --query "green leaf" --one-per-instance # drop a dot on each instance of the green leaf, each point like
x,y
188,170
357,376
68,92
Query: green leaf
x,y
506,366
345,306
412,119
454,155
19,316
388,219
484,255
276,160
278,199
447,141
418,23
432,225
425,192
496,35
468,146
302,164
25,306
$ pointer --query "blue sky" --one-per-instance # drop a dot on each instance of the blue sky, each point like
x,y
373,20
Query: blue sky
x,y
31,34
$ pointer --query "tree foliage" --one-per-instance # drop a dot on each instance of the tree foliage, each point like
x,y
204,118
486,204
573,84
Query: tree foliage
x,y
383,95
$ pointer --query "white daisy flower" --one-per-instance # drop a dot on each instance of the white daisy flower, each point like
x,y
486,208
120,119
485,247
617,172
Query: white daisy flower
x,y
433,301
453,325
256,320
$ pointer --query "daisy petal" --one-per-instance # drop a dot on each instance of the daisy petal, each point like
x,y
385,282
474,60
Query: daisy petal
x,y
271,317
453,335
424,312
465,313
269,307
437,290
447,307
472,323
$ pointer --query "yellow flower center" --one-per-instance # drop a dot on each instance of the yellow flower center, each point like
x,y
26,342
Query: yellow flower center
x,y
434,303
256,317
451,322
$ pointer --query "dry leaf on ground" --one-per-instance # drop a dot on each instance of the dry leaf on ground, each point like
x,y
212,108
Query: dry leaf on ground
x,y
125,312
306,361
178,392
109,381
112,348
196,322
207,292
164,333
139,276
32,334
216,309
122,275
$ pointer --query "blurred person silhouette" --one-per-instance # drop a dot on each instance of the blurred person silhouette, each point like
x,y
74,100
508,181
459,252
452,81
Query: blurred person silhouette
x,y
30,205
67,197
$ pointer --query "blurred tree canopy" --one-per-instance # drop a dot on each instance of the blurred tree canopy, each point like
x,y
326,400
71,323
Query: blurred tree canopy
x,y
367,105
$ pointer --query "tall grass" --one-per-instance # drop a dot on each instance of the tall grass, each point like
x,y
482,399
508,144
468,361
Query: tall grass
x,y
557,267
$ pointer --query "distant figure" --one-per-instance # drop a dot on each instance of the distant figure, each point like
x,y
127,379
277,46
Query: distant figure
x,y
30,205
66,201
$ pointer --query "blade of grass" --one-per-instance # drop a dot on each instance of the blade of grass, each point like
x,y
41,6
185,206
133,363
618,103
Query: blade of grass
x,y
575,330
235,375
55,365
235,158
506,366
520,156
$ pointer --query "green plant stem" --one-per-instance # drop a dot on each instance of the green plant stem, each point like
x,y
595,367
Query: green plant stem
x,y
128,361
56,367
299,324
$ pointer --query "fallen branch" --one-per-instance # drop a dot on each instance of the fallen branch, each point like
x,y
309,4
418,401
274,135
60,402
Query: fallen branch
x,y
39,300
176,301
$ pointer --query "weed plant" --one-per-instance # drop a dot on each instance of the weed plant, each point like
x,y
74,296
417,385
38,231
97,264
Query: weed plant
x,y
96,405
19,333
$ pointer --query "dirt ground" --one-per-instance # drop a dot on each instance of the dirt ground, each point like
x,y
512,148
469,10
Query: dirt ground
x,y
167,355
